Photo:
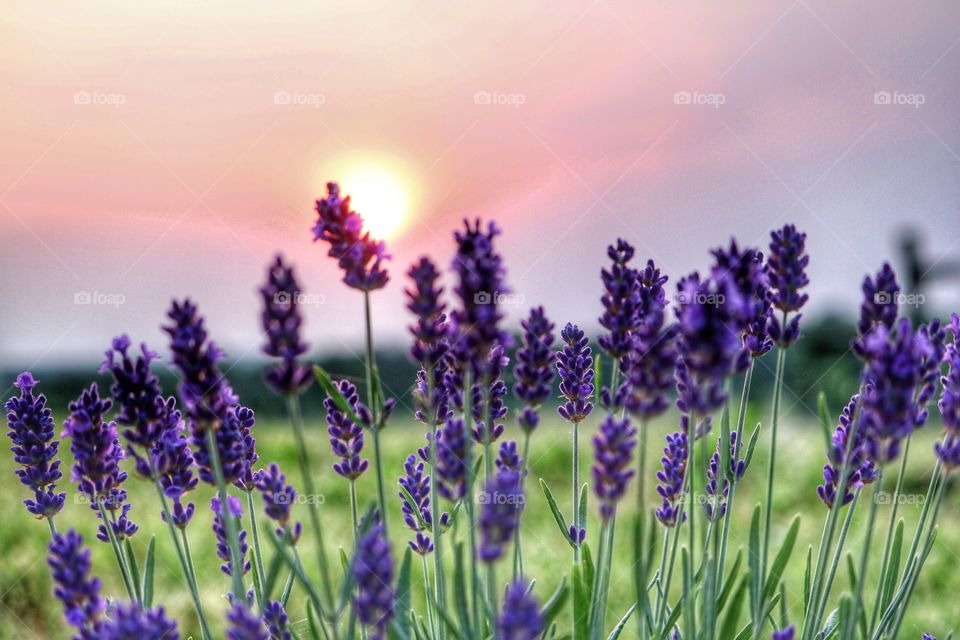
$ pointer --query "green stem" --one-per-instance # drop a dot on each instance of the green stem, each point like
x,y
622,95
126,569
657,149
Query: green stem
x,y
236,562
471,500
741,421
598,578
354,512
431,413
258,573
575,481
771,467
517,546
373,404
835,563
124,573
851,621
53,528
431,616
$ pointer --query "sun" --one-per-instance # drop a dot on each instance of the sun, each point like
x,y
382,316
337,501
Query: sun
x,y
381,199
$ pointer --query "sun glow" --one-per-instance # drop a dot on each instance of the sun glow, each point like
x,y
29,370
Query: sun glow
x,y
381,199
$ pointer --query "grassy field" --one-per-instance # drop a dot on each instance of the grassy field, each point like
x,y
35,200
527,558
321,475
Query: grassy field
x,y
28,610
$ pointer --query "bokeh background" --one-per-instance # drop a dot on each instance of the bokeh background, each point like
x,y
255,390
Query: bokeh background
x,y
164,149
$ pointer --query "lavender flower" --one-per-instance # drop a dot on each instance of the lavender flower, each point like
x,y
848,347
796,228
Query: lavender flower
x,y
417,485
520,618
278,499
534,370
745,269
671,480
612,452
718,483
451,469
430,343
235,448
79,592
233,510
948,451
861,469
501,504
136,392
275,617
346,437
880,306
373,573
129,622
509,458
786,270
575,366
97,454
173,463
281,322
495,408
360,257
242,624
621,300
34,447
787,633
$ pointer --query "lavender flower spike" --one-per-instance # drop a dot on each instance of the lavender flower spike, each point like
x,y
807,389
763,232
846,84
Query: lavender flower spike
x,y
242,624
360,257
278,499
136,391
613,451
220,531
575,366
79,592
787,633
417,485
501,504
621,300
277,621
346,438
948,451
786,269
861,469
34,447
880,305
671,480
534,370
128,622
281,320
373,573
520,618
451,452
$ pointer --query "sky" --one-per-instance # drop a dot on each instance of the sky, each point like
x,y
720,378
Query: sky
x,y
154,150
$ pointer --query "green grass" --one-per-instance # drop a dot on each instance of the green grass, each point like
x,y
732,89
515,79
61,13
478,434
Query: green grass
x,y
28,610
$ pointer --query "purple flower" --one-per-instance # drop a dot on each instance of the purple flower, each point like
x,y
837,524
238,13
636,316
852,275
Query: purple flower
x,y
861,469
520,618
948,451
430,342
495,408
612,452
281,322
346,437
575,366
34,447
278,499
373,573
786,633
97,454
451,467
648,366
745,268
621,300
786,270
718,482
417,484
79,592
509,458
173,462
136,391
275,617
129,622
234,510
235,448
671,479
500,505
360,257
880,305
534,370
242,624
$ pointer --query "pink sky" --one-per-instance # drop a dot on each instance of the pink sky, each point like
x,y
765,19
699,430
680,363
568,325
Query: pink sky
x,y
183,175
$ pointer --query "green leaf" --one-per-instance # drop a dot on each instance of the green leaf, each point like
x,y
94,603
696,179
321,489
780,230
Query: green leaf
x,y
744,633
404,597
756,579
148,570
581,603
597,375
312,622
334,394
751,445
449,622
806,579
893,568
783,556
831,625
588,569
851,572
725,437
732,616
623,622
826,422
460,592
134,569
273,573
557,514
730,581
672,619
582,504
552,607
412,503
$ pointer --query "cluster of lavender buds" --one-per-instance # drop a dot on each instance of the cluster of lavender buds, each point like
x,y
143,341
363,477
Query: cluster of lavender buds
x,y
494,408
129,621
235,448
360,257
620,300
233,510
861,469
509,457
373,574
173,463
880,306
277,621
346,438
79,591
718,482
575,366
430,342
520,618
534,371
649,364
136,391
671,479
417,516
786,271
787,633
97,454
242,624
746,269
948,450
278,500
612,454
500,506
34,447
451,467
281,322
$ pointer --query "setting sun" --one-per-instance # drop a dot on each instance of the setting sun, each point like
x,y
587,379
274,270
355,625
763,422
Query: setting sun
x,y
380,197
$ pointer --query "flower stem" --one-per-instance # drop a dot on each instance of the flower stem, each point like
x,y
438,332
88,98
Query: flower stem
x,y
517,545
854,616
771,467
124,572
236,562
741,421
470,500
575,489
53,528
258,573
373,403
431,413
